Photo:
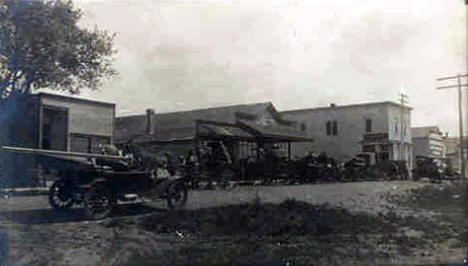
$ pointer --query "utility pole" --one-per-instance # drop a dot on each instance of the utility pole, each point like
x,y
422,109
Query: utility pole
x,y
460,115
403,99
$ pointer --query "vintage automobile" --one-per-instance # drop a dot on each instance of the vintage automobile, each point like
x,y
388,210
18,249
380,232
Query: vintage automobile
x,y
313,168
434,168
98,181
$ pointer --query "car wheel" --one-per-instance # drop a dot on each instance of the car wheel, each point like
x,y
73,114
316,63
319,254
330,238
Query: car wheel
x,y
98,203
60,196
177,195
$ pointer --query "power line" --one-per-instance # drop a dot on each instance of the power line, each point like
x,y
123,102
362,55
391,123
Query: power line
x,y
454,77
463,143
451,86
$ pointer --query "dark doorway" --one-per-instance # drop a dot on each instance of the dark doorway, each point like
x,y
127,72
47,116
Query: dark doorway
x,y
54,129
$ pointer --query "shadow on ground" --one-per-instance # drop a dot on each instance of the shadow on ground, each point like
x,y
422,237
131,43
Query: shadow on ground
x,y
49,216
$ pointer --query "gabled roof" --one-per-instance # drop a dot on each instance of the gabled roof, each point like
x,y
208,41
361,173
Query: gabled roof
x,y
215,130
181,125
223,113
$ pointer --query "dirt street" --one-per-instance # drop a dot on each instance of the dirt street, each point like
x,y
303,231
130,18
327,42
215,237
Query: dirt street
x,y
338,193
346,194
37,235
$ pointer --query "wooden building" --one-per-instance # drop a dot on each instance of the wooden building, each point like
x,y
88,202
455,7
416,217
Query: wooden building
x,y
50,121
242,128
428,141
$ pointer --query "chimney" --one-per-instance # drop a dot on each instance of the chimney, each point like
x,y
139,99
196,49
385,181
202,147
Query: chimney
x,y
150,121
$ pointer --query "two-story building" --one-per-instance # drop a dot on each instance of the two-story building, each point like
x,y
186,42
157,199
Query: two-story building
x,y
428,141
381,129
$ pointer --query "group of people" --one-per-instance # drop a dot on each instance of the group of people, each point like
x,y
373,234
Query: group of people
x,y
210,160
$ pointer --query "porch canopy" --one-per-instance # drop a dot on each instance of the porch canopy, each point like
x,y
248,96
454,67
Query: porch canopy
x,y
209,130
257,135
213,130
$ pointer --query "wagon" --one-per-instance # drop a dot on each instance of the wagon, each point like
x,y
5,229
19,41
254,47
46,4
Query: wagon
x,y
99,182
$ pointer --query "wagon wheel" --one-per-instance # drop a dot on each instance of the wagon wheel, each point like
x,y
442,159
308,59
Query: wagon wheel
x,y
98,203
177,195
60,196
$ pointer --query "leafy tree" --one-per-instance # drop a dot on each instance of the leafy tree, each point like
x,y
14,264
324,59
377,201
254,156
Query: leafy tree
x,y
42,46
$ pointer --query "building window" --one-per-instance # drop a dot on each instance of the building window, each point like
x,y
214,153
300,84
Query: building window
x,y
247,149
396,127
332,128
368,148
46,137
368,125
87,143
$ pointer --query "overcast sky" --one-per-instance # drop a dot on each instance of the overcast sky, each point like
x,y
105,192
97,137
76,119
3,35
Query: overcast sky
x,y
186,54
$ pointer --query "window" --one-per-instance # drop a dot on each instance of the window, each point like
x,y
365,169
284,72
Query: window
x,y
368,125
80,144
368,148
248,149
46,137
332,128
396,127
87,143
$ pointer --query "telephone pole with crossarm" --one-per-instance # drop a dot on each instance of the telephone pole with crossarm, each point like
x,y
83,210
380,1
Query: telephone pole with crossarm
x,y
462,142
403,99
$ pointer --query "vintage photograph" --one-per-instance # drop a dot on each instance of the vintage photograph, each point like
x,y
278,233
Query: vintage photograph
x,y
233,132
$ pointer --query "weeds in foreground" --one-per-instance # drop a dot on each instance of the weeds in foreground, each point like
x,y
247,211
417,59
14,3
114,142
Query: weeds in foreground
x,y
304,233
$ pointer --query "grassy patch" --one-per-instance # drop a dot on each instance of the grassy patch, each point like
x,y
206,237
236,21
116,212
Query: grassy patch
x,y
449,201
290,218
294,231
447,198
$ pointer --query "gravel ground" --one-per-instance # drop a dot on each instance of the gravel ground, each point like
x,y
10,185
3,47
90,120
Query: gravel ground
x,y
362,196
39,236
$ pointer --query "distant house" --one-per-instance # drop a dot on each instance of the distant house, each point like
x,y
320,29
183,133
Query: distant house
x,y
379,129
241,127
428,141
53,122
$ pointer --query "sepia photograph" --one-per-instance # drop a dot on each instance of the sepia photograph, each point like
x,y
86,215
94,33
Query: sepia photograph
x,y
233,132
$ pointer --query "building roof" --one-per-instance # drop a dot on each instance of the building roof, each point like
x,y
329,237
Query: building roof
x,y
72,98
359,105
419,132
224,130
213,130
182,125
278,133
